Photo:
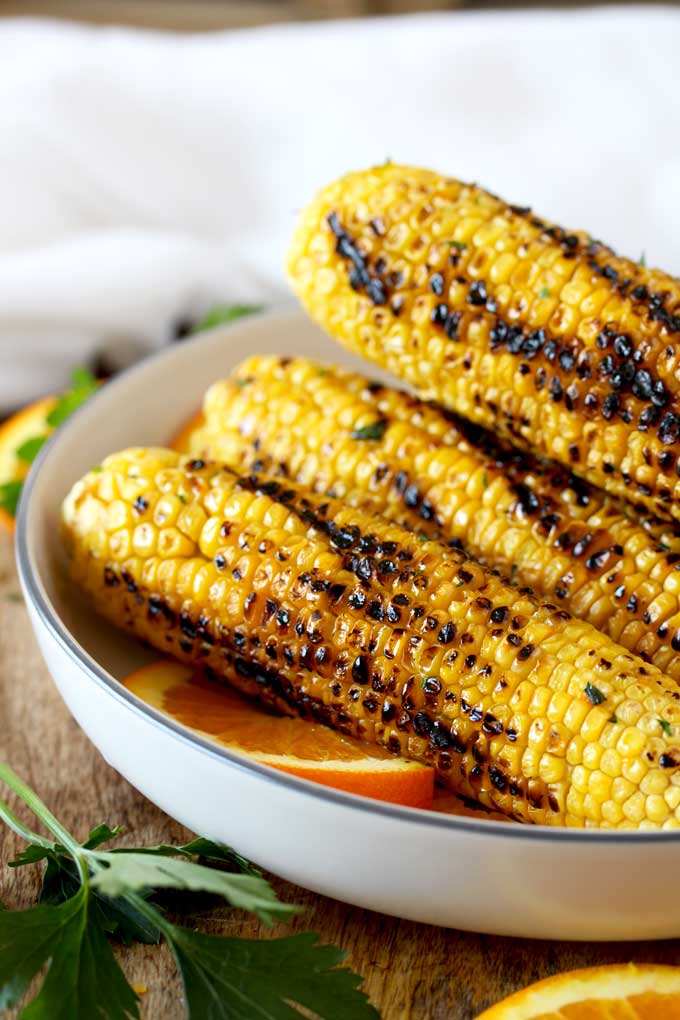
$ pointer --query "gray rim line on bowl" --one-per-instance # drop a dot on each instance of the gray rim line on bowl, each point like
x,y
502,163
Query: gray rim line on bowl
x,y
32,583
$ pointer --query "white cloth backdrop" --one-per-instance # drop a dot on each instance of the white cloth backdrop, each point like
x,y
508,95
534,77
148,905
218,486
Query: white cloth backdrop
x,y
144,176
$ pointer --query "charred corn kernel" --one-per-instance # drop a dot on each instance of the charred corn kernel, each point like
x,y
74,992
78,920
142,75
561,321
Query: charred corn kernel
x,y
347,617
376,447
542,335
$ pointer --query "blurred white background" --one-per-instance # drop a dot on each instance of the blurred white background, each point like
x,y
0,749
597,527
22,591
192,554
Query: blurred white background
x,y
146,175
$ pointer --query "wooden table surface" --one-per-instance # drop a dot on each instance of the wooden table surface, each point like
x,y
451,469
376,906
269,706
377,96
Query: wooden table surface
x,y
411,971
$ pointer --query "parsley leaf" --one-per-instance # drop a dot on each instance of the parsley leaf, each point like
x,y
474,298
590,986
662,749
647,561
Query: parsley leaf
x,y
203,848
544,293
665,726
460,245
594,694
9,497
29,450
131,870
102,833
642,261
219,315
376,430
83,385
238,979
83,980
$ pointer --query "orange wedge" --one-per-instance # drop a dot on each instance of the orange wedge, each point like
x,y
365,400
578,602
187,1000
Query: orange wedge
x,y
621,992
182,441
305,749
30,423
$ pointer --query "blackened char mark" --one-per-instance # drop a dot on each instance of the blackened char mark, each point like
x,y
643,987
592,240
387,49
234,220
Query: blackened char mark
x,y
360,278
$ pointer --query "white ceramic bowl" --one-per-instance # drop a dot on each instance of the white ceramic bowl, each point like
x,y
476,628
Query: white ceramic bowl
x,y
462,872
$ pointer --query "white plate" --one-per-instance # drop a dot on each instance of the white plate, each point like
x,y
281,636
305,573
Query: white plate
x,y
462,872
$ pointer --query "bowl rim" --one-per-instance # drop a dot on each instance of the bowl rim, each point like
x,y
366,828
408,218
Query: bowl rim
x,y
36,595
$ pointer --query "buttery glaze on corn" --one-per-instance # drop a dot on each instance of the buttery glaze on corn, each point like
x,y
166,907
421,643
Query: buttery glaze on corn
x,y
348,619
431,472
544,336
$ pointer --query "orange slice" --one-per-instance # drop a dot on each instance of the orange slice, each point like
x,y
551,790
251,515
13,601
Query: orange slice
x,y
305,749
621,992
183,441
30,423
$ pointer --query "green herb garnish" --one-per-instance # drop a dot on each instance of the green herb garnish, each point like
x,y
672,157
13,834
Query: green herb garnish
x,y
613,717
83,385
220,315
485,480
642,261
460,245
594,694
422,537
376,430
544,292
665,726
29,450
181,497
9,497
89,894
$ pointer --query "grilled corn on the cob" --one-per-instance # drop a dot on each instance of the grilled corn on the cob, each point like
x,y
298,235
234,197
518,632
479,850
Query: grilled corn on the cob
x,y
375,446
541,335
345,617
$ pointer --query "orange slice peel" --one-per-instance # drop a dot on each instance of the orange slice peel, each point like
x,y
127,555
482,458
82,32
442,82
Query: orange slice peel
x,y
306,749
618,992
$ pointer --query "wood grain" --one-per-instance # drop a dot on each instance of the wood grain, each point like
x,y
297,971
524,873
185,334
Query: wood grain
x,y
412,971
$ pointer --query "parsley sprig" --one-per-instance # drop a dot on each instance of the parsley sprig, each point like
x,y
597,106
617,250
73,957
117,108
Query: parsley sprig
x,y
83,385
89,894
219,315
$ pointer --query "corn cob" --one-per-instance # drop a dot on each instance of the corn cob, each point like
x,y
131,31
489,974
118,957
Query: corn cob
x,y
422,468
343,617
543,336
